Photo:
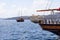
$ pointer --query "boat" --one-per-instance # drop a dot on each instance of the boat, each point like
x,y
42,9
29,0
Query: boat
x,y
50,24
34,18
55,28
20,19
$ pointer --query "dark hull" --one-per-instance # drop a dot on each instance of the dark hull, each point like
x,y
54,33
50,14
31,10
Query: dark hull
x,y
55,28
20,20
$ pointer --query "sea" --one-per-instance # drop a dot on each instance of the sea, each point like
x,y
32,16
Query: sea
x,y
27,30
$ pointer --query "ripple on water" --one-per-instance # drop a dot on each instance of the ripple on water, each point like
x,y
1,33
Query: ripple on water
x,y
12,30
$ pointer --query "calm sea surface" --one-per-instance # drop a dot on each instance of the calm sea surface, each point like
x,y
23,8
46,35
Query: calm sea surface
x,y
12,30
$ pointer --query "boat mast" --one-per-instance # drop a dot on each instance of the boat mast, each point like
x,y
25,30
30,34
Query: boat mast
x,y
20,13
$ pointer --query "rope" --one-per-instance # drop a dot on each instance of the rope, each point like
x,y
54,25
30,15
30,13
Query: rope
x,y
49,5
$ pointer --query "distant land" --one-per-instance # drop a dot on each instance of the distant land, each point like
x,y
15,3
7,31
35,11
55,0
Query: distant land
x,y
14,18
56,15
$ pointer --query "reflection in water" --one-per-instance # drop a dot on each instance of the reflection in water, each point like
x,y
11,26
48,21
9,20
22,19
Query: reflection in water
x,y
12,30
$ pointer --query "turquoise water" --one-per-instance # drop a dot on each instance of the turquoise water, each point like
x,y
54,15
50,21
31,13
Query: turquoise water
x,y
12,30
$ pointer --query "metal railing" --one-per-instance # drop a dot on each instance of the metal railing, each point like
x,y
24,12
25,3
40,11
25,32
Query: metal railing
x,y
49,21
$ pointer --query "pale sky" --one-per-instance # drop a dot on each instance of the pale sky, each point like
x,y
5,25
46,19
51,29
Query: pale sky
x,y
13,8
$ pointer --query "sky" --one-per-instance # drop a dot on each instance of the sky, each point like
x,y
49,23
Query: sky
x,y
14,8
